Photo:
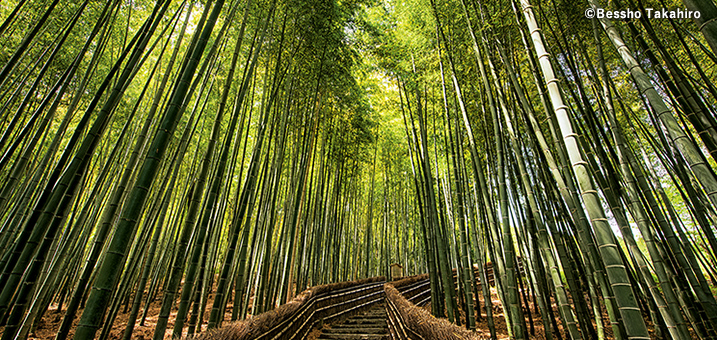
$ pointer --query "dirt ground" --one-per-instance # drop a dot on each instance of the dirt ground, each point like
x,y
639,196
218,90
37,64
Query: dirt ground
x,y
537,331
50,323
499,320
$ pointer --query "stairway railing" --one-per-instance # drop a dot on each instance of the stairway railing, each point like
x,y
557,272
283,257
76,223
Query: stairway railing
x,y
296,319
407,321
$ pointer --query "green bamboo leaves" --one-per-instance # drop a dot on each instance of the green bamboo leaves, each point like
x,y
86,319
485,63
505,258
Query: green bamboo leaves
x,y
228,155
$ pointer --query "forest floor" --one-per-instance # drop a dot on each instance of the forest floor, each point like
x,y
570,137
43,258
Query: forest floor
x,y
501,328
50,322
47,328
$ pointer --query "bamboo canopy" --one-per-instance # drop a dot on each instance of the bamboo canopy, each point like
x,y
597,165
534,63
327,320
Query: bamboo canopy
x,y
517,168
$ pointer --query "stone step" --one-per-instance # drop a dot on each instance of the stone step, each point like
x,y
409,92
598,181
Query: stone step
x,y
353,337
362,319
355,330
371,325
370,316
363,323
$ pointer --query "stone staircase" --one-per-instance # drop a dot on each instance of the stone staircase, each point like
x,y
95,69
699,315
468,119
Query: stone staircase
x,y
370,324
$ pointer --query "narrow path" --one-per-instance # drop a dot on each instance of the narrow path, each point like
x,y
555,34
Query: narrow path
x,y
370,324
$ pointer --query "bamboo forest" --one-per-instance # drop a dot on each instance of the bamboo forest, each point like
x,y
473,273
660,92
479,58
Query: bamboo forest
x,y
358,169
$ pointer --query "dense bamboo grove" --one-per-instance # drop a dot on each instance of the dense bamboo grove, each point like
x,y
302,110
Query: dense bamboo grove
x,y
215,158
